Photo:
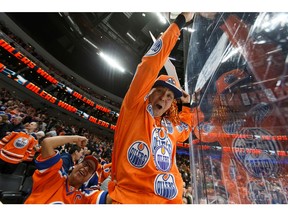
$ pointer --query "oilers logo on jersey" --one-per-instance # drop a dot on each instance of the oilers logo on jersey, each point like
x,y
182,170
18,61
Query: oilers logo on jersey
x,y
168,125
206,127
57,203
260,111
162,159
160,138
233,126
182,126
21,142
150,110
138,154
164,186
263,162
156,47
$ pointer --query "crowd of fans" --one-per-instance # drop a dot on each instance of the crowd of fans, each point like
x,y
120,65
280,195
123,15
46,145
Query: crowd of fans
x,y
16,115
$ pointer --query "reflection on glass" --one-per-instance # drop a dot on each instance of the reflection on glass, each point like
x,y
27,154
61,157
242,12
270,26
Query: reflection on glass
x,y
238,64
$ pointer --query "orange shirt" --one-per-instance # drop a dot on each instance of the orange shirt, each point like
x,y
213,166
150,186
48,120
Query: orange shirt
x,y
50,186
106,170
17,147
143,157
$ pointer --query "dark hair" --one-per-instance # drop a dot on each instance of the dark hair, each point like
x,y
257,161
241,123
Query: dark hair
x,y
74,148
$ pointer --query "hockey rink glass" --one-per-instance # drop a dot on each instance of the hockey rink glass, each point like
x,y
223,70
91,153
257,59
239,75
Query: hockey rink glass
x,y
238,150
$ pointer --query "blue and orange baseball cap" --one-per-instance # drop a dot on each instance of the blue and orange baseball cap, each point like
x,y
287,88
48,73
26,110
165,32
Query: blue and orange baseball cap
x,y
170,83
93,159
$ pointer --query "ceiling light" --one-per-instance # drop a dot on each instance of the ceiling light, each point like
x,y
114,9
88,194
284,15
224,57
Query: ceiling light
x,y
143,14
131,36
90,42
112,62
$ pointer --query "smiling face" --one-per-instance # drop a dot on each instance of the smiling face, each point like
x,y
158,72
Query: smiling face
x,y
81,173
161,99
31,127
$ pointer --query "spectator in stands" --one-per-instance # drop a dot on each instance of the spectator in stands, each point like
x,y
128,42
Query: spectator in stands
x,y
4,125
86,151
93,181
17,147
51,184
16,124
188,195
40,135
105,176
31,127
51,133
71,158
144,161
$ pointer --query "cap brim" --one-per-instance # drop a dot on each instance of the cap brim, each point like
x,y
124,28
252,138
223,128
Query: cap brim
x,y
93,159
177,92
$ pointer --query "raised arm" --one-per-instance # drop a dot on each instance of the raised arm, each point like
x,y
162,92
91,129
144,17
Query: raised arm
x,y
50,143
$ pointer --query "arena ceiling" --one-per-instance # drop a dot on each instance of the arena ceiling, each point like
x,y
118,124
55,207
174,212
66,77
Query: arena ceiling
x,y
62,35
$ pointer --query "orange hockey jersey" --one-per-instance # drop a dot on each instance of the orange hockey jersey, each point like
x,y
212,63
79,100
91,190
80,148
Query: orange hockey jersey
x,y
143,158
50,186
17,147
106,171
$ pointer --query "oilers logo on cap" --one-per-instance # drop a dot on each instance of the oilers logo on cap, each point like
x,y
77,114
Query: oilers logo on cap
x,y
171,81
164,186
21,142
156,47
138,154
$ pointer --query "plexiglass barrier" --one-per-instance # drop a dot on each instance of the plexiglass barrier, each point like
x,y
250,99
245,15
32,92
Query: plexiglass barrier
x,y
237,62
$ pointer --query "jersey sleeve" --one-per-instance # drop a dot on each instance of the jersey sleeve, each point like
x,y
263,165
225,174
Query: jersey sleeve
x,y
7,138
152,62
185,126
47,165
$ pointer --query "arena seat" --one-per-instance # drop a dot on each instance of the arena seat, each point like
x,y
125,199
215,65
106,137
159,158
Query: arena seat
x,y
21,169
10,188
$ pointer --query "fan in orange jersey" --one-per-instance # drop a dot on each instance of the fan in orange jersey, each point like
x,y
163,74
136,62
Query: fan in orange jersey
x,y
143,159
106,171
16,147
52,185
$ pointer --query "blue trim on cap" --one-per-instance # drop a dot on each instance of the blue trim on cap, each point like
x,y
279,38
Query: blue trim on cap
x,y
175,90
